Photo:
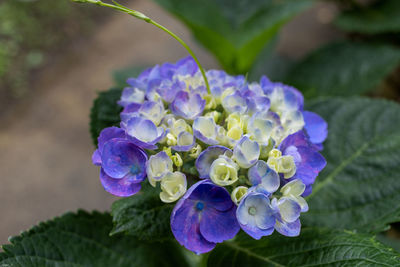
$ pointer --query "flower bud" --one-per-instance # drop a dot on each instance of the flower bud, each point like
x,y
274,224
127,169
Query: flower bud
x,y
223,171
177,160
195,151
173,186
171,139
287,166
238,193
275,153
211,102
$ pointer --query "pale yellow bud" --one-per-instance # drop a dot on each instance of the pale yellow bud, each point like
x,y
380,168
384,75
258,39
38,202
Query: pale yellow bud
x,y
235,133
173,186
211,102
195,151
177,160
238,193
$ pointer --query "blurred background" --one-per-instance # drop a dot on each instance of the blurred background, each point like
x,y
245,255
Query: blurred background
x,y
55,56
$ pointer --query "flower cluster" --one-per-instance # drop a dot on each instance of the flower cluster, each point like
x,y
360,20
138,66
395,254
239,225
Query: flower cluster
x,y
249,151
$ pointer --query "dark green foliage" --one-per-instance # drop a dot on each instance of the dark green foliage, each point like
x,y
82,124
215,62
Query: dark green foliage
x,y
105,112
314,247
143,216
382,17
344,69
82,239
359,187
235,31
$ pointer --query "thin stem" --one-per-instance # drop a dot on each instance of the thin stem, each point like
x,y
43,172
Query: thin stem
x,y
142,16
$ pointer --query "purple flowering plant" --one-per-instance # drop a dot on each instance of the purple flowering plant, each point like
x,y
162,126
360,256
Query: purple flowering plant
x,y
239,156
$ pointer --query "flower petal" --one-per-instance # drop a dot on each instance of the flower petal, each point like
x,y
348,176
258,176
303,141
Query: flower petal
x,y
124,187
205,129
289,209
316,127
109,133
217,226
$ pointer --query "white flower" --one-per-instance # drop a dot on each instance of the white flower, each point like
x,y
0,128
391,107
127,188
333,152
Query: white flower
x,y
157,166
293,190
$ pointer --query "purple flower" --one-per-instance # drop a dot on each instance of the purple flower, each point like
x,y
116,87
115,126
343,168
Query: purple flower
x,y
256,215
123,164
306,158
204,216
187,105
316,128
207,157
144,133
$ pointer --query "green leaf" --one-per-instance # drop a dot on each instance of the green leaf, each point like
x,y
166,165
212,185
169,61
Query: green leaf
x,y
359,188
105,112
82,239
143,216
382,17
344,69
314,247
235,31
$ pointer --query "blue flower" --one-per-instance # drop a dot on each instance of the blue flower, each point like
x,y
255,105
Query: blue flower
x,y
123,164
287,216
264,179
256,215
306,158
204,216
187,105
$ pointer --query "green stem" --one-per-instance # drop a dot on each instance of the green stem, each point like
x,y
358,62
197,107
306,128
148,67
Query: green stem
x,y
142,16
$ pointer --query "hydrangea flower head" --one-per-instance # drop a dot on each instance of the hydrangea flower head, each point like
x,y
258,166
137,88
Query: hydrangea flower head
x,y
249,151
